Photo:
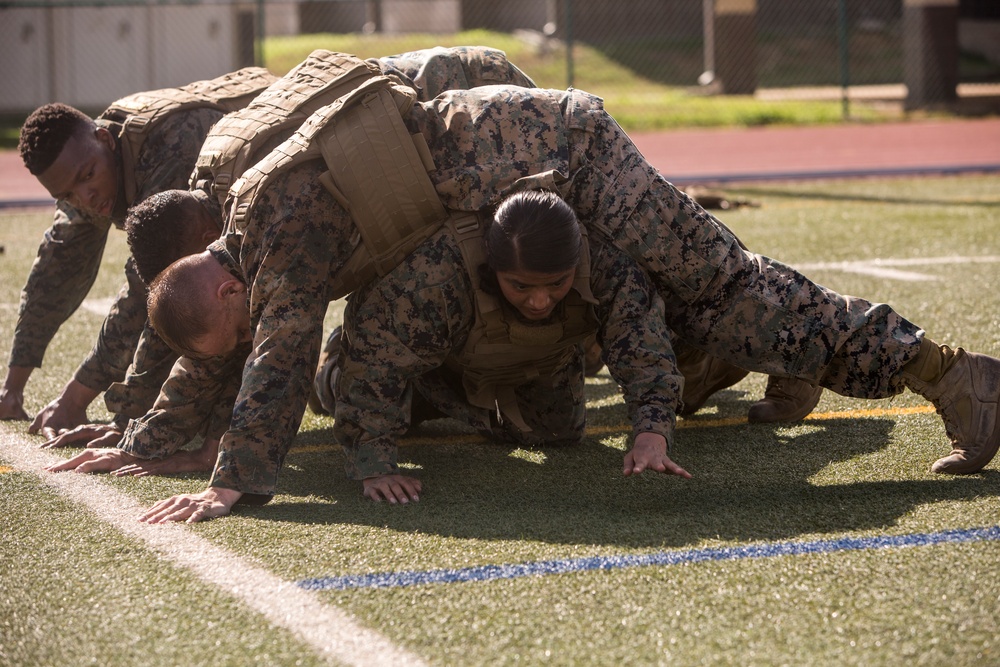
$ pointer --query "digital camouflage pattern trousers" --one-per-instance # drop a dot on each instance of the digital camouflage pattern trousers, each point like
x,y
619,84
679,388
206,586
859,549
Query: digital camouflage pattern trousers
x,y
742,307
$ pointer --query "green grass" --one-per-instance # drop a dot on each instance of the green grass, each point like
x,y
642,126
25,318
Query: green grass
x,y
77,591
825,478
637,102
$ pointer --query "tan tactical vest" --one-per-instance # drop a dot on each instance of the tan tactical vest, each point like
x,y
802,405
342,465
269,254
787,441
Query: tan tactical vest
x,y
501,352
239,139
140,113
377,171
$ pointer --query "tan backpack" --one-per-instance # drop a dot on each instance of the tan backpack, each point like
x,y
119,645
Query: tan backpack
x,y
141,113
240,139
377,171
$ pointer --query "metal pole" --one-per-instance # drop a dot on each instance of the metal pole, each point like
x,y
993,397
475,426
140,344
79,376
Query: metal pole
x,y
569,43
708,18
258,51
845,76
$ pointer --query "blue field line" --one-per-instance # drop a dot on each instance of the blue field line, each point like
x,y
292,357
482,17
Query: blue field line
x,y
541,568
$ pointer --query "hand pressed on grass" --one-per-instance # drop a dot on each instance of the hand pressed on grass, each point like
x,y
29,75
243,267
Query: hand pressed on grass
x,y
650,452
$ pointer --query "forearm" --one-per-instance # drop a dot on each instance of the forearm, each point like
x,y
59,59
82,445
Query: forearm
x,y
184,407
63,272
77,396
151,366
120,334
265,419
17,379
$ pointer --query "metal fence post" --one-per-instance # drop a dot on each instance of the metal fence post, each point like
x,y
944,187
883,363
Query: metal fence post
x,y
258,51
569,43
844,48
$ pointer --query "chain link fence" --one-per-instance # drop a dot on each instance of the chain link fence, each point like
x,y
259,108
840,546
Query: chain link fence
x,y
89,52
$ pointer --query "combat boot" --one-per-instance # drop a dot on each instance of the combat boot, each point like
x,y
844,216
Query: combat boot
x,y
785,400
965,389
703,379
321,400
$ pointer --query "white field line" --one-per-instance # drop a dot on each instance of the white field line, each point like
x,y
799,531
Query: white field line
x,y
884,268
329,630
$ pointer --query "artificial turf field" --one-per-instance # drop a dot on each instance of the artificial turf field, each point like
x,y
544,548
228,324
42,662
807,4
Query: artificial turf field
x,y
828,542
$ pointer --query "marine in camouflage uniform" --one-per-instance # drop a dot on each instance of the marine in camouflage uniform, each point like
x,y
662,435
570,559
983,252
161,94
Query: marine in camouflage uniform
x,y
743,307
401,332
181,408
70,255
71,250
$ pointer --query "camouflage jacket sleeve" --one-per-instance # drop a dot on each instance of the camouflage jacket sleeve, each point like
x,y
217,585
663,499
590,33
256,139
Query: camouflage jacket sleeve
x,y
197,399
296,239
134,396
63,272
396,330
109,359
636,341
432,71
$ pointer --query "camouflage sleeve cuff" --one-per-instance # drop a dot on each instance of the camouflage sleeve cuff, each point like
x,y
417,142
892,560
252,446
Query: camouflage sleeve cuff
x,y
91,379
247,479
148,442
655,419
371,460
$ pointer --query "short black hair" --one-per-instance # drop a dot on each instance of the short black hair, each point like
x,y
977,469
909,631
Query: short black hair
x,y
159,228
46,131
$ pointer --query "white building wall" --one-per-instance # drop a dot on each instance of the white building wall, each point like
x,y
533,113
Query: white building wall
x,y
90,56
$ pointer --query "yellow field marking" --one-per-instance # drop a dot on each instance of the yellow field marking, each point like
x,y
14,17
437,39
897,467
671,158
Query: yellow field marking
x,y
840,414
5,469
681,424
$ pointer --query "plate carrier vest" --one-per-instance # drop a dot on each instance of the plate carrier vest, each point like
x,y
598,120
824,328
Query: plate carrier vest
x,y
238,140
501,352
141,113
377,171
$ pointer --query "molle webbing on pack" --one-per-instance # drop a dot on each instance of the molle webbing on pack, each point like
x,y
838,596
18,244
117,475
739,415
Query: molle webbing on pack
x,y
502,352
377,171
240,139
140,113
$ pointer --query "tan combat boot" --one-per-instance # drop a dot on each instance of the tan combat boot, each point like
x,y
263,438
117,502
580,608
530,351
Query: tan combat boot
x,y
321,400
703,378
785,400
965,389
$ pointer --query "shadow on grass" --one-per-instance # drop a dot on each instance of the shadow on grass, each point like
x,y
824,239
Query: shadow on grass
x,y
751,482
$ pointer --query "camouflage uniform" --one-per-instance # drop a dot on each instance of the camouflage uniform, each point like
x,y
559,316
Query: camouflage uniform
x,y
70,256
178,415
741,307
400,332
